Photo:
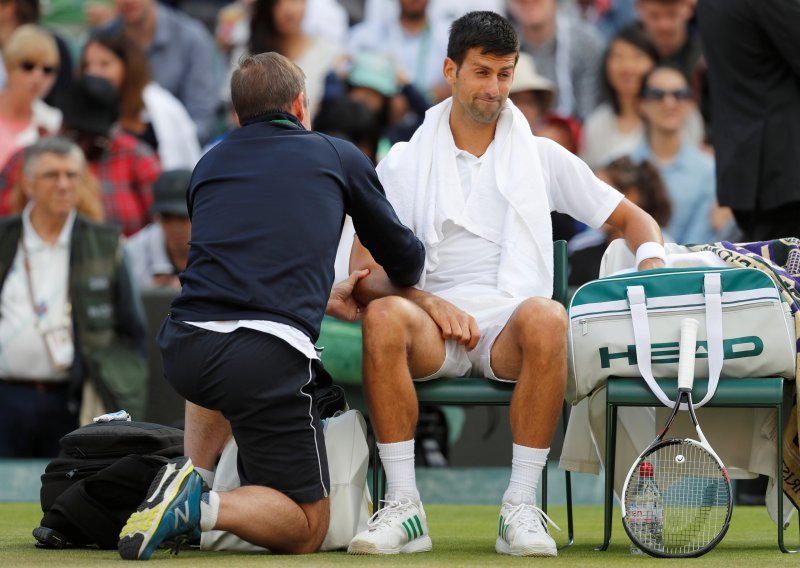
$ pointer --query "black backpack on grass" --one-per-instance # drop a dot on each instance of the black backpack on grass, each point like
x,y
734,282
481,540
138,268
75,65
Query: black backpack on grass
x,y
99,479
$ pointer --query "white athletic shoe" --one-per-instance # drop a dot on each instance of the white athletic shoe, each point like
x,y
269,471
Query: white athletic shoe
x,y
522,531
399,527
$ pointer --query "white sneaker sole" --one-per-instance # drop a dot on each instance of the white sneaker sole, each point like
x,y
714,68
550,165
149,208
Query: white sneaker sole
x,y
502,547
365,547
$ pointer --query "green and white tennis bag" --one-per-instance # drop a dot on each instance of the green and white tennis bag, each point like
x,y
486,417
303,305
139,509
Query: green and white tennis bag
x,y
629,326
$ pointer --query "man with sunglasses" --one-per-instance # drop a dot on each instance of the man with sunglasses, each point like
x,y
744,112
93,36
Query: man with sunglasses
x,y
665,102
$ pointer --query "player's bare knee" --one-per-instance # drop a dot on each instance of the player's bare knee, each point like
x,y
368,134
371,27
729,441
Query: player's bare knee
x,y
542,321
387,316
386,320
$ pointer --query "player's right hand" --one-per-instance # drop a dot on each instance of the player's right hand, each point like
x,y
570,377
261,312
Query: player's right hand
x,y
455,323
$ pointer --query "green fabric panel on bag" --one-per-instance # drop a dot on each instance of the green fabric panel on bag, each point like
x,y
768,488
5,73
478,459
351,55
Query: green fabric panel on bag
x,y
342,350
683,281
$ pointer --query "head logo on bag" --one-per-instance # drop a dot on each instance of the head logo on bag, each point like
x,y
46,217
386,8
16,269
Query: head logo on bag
x,y
665,353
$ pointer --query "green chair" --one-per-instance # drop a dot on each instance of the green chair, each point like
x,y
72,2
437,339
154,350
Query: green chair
x,y
484,392
749,392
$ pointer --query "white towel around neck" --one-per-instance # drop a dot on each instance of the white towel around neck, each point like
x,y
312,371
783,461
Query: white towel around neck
x,y
422,183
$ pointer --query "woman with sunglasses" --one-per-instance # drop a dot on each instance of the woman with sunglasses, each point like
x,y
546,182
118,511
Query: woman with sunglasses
x,y
665,101
614,128
31,60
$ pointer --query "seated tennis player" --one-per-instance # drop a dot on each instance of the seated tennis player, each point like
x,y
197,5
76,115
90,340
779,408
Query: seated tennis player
x,y
477,188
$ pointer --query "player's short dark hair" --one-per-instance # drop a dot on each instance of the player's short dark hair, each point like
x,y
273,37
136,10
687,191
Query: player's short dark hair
x,y
490,32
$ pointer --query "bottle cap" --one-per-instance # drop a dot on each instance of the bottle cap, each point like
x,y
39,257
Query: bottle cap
x,y
646,469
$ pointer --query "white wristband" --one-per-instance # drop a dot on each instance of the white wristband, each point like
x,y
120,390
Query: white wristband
x,y
650,249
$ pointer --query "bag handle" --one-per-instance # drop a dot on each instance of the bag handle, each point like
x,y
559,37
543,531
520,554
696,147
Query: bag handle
x,y
712,291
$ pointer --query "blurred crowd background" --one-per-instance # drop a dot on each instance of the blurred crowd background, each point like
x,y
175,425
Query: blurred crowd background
x,y
142,87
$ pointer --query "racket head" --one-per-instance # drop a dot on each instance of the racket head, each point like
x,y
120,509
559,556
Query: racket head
x,y
696,499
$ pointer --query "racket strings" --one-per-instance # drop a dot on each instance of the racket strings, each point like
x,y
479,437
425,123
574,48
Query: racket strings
x,y
694,495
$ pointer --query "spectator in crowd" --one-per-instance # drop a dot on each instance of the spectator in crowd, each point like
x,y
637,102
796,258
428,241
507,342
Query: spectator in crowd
x,y
180,52
31,60
530,92
374,80
753,54
124,167
327,19
641,184
68,311
477,187
667,24
276,26
15,13
442,12
608,16
567,51
416,43
665,102
565,130
159,251
147,110
615,127
351,120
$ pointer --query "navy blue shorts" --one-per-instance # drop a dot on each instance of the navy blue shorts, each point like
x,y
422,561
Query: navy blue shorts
x,y
264,387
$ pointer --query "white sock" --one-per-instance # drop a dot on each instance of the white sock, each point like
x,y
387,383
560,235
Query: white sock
x,y
526,470
207,475
398,461
209,509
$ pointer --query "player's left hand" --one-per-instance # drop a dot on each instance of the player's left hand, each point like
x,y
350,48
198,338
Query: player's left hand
x,y
341,303
651,263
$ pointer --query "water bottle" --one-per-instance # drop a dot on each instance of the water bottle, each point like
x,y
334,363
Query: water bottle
x,y
645,511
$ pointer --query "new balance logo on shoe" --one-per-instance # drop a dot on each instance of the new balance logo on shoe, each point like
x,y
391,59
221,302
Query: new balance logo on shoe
x,y
182,517
171,509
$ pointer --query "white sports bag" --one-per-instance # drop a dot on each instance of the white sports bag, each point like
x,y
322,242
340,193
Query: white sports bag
x,y
629,326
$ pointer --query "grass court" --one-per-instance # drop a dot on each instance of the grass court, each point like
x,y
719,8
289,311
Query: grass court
x,y
463,535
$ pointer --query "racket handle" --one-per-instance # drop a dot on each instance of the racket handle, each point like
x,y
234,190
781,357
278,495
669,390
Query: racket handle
x,y
688,346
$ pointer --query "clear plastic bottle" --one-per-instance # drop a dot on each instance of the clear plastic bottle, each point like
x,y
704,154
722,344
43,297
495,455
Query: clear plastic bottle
x,y
645,512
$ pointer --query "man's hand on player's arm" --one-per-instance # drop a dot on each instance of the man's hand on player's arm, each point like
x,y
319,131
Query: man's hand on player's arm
x,y
341,303
454,323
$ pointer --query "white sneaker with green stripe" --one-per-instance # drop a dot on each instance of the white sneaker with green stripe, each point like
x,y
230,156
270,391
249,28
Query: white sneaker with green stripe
x,y
522,531
399,527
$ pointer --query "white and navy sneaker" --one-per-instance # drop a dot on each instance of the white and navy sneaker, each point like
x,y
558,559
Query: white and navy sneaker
x,y
171,509
399,527
522,531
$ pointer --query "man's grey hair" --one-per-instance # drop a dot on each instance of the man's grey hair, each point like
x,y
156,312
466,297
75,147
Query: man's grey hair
x,y
57,145
265,83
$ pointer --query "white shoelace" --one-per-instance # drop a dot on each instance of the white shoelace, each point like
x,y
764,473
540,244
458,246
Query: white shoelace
x,y
389,511
530,517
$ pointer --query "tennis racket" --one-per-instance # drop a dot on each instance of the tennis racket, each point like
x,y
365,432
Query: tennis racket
x,y
676,501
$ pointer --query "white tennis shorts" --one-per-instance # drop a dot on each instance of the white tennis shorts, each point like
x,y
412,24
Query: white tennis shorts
x,y
492,315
